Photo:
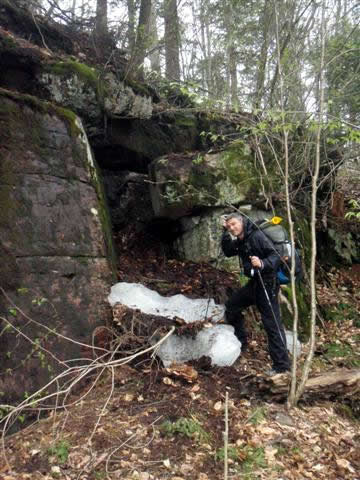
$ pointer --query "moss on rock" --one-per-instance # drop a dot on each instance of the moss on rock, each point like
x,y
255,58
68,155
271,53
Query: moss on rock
x,y
43,107
185,120
138,87
88,75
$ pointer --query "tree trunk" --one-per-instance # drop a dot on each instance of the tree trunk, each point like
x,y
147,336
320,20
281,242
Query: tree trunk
x,y
73,8
131,24
266,21
154,55
101,24
172,40
206,49
142,39
231,60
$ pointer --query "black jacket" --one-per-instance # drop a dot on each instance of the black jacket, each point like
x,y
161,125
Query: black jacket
x,y
255,243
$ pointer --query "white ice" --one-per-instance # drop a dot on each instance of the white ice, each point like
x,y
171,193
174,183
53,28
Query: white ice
x,y
135,295
290,342
217,342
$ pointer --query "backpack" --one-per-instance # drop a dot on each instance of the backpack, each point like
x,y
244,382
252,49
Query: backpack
x,y
280,238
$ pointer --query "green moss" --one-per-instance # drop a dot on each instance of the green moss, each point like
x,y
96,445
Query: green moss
x,y
185,121
104,216
138,87
43,107
7,43
69,118
87,74
239,168
203,182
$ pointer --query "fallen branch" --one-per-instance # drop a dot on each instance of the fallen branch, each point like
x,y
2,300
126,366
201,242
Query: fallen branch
x,y
340,382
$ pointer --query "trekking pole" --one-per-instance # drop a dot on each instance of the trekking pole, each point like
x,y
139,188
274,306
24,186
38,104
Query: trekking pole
x,y
271,308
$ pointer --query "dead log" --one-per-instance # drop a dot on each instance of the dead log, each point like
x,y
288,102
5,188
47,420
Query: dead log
x,y
345,383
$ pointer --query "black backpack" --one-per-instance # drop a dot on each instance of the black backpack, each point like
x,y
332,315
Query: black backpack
x,y
280,238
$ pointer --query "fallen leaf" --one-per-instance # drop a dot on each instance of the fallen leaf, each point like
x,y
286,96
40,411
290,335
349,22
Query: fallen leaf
x,y
168,381
187,372
270,453
343,463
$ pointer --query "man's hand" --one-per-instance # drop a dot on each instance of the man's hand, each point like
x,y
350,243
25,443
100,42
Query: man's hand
x,y
256,262
223,221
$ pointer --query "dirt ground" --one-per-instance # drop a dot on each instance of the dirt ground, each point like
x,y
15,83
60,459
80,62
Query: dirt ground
x,y
143,421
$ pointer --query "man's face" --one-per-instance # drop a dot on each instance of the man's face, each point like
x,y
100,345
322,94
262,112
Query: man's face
x,y
235,227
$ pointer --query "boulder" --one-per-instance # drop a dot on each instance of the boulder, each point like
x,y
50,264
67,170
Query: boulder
x,y
183,184
201,236
56,243
200,240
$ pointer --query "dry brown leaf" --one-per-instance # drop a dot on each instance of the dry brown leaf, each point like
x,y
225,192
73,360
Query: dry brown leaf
x,y
345,464
187,372
270,453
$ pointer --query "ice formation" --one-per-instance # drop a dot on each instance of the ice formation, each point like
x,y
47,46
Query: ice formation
x,y
135,295
217,342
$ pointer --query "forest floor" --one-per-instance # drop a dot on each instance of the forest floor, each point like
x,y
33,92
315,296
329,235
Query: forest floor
x,y
151,423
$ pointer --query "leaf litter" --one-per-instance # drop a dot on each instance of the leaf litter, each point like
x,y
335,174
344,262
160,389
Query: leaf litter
x,y
320,439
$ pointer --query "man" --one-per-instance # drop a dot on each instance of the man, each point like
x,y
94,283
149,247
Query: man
x,y
260,262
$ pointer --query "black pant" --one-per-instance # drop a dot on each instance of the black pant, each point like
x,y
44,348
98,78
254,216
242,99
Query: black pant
x,y
253,294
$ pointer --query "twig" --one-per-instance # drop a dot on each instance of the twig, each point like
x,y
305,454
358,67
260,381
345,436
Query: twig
x,y
226,436
122,444
80,373
38,28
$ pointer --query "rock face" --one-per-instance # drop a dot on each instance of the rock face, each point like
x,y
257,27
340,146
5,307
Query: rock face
x,y
128,198
80,88
54,252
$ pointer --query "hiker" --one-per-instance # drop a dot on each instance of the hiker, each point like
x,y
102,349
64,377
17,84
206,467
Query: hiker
x,y
260,262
